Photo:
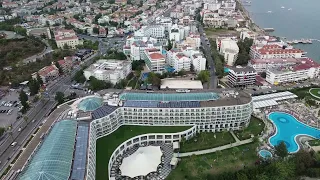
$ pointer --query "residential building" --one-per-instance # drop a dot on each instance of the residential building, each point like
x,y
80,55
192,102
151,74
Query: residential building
x,y
109,70
198,62
155,61
47,73
229,49
66,63
66,37
137,45
176,33
262,65
248,34
241,76
305,69
274,51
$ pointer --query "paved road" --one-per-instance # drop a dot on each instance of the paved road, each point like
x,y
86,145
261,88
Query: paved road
x,y
7,152
45,51
207,50
220,148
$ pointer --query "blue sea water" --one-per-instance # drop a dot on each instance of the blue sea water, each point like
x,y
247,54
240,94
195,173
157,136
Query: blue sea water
x,y
302,21
288,127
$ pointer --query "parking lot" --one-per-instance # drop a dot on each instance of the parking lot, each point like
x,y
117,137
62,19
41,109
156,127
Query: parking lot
x,y
9,109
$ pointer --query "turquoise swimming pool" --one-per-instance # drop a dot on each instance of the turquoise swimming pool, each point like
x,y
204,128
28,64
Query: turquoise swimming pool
x,y
288,127
265,154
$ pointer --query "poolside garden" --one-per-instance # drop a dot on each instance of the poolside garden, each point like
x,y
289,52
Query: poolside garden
x,y
206,140
106,145
202,166
255,127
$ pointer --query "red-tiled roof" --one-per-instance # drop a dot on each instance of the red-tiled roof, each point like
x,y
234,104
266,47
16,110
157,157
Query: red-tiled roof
x,y
46,70
277,60
306,63
156,56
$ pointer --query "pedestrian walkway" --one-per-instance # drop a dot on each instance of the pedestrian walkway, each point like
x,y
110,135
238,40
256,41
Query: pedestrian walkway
x,y
234,136
220,148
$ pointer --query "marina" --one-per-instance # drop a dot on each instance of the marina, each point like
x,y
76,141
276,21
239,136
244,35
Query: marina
x,y
302,41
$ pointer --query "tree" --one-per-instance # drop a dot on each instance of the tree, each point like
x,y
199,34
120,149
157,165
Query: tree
x,y
79,77
39,79
111,1
2,130
43,36
153,79
281,150
59,97
65,46
96,84
121,84
204,76
169,46
263,74
59,67
34,86
303,161
24,101
137,65
95,30
182,72
97,17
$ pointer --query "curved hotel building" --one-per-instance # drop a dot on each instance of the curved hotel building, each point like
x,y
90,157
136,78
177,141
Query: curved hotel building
x,y
94,117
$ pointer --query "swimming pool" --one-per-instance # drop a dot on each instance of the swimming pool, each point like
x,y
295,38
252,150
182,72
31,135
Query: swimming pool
x,y
265,154
288,127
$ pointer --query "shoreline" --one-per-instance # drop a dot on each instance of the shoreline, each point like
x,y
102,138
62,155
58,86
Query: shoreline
x,y
252,26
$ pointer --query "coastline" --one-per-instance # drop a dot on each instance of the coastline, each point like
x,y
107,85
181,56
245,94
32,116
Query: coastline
x,y
252,26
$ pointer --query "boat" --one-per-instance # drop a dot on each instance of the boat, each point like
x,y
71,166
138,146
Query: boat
x,y
295,42
269,11
309,41
303,41
282,7
289,9
289,42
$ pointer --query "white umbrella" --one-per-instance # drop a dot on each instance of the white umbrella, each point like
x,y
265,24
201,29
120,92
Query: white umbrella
x,y
141,162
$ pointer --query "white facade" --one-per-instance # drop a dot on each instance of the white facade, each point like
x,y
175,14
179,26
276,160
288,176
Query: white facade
x,y
262,65
198,62
276,77
109,70
274,51
137,47
67,37
229,49
232,116
155,61
176,33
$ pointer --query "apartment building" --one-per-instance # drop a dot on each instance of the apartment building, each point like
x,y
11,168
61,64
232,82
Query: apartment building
x,y
305,69
274,51
155,61
241,76
138,45
229,49
109,70
66,37
47,73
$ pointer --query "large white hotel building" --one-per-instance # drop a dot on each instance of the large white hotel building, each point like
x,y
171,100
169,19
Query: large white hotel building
x,y
93,117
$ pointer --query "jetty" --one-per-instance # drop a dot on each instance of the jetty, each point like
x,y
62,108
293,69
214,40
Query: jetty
x,y
301,41
268,29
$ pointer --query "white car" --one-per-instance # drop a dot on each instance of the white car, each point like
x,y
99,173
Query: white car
x,y
19,129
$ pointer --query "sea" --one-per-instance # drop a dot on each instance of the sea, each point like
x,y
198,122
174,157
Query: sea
x,y
291,19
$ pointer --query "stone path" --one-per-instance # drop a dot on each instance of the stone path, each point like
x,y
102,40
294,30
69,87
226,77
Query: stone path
x,y
220,148
234,136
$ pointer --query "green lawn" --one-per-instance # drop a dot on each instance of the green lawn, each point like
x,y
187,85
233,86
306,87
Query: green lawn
x,y
315,142
229,160
315,91
206,140
255,127
107,144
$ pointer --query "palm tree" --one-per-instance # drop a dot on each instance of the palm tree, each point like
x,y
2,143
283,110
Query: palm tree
x,y
224,132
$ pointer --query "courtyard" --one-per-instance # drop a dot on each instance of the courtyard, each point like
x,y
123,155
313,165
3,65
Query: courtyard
x,y
106,145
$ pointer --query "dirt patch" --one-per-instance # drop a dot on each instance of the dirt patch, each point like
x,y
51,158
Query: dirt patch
x,y
214,33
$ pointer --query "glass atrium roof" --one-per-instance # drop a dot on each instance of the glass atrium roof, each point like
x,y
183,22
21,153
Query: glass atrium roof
x,y
169,97
53,159
90,104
